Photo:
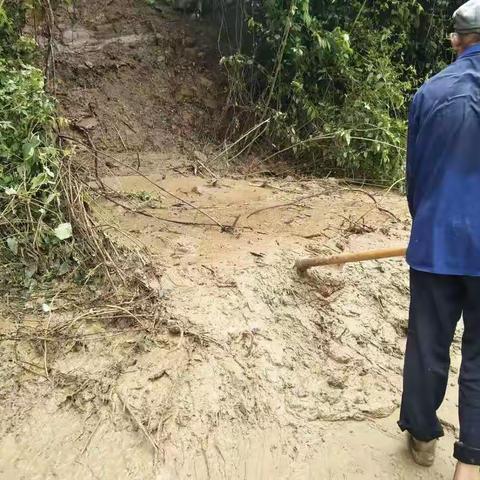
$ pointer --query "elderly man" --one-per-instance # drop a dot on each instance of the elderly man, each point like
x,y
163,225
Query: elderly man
x,y
443,174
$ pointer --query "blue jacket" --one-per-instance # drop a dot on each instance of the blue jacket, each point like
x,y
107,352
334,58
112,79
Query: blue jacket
x,y
443,170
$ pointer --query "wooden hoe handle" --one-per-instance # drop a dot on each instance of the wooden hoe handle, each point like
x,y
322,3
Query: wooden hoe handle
x,y
305,263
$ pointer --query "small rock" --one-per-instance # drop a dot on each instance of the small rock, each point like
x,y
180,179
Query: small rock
x,y
336,382
339,355
174,329
88,123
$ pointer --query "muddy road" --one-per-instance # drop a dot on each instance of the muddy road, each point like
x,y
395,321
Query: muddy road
x,y
252,371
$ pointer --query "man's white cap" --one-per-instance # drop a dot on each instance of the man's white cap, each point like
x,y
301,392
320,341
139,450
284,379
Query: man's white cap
x,y
467,17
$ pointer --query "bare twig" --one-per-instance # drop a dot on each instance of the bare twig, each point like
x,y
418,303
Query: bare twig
x,y
94,244
29,370
380,209
156,217
295,145
90,438
128,125
273,187
302,199
289,204
137,421
202,164
235,222
95,156
245,135
155,184
315,235
120,137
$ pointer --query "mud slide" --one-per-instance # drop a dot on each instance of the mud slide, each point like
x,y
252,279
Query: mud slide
x,y
251,371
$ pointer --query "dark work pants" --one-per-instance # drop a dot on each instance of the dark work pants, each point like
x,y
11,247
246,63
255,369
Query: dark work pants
x,y
437,304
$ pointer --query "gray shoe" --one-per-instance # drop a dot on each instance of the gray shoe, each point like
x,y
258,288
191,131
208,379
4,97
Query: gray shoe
x,y
423,453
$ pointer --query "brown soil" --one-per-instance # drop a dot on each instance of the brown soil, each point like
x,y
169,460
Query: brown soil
x,y
252,371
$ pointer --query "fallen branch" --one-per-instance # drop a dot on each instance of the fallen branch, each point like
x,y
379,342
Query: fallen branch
x,y
95,155
205,167
380,209
273,187
289,204
180,199
384,210
156,217
302,199
315,235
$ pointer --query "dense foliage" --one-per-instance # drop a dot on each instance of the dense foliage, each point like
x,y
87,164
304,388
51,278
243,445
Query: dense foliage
x,y
334,77
31,218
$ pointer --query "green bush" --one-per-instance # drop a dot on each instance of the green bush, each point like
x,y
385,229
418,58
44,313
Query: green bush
x,y
31,218
335,77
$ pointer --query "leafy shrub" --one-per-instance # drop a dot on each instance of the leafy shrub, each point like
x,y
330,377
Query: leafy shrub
x,y
335,77
31,218
29,159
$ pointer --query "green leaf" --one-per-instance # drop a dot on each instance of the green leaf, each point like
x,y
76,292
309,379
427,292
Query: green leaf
x,y
63,231
63,269
12,243
30,146
348,138
38,181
